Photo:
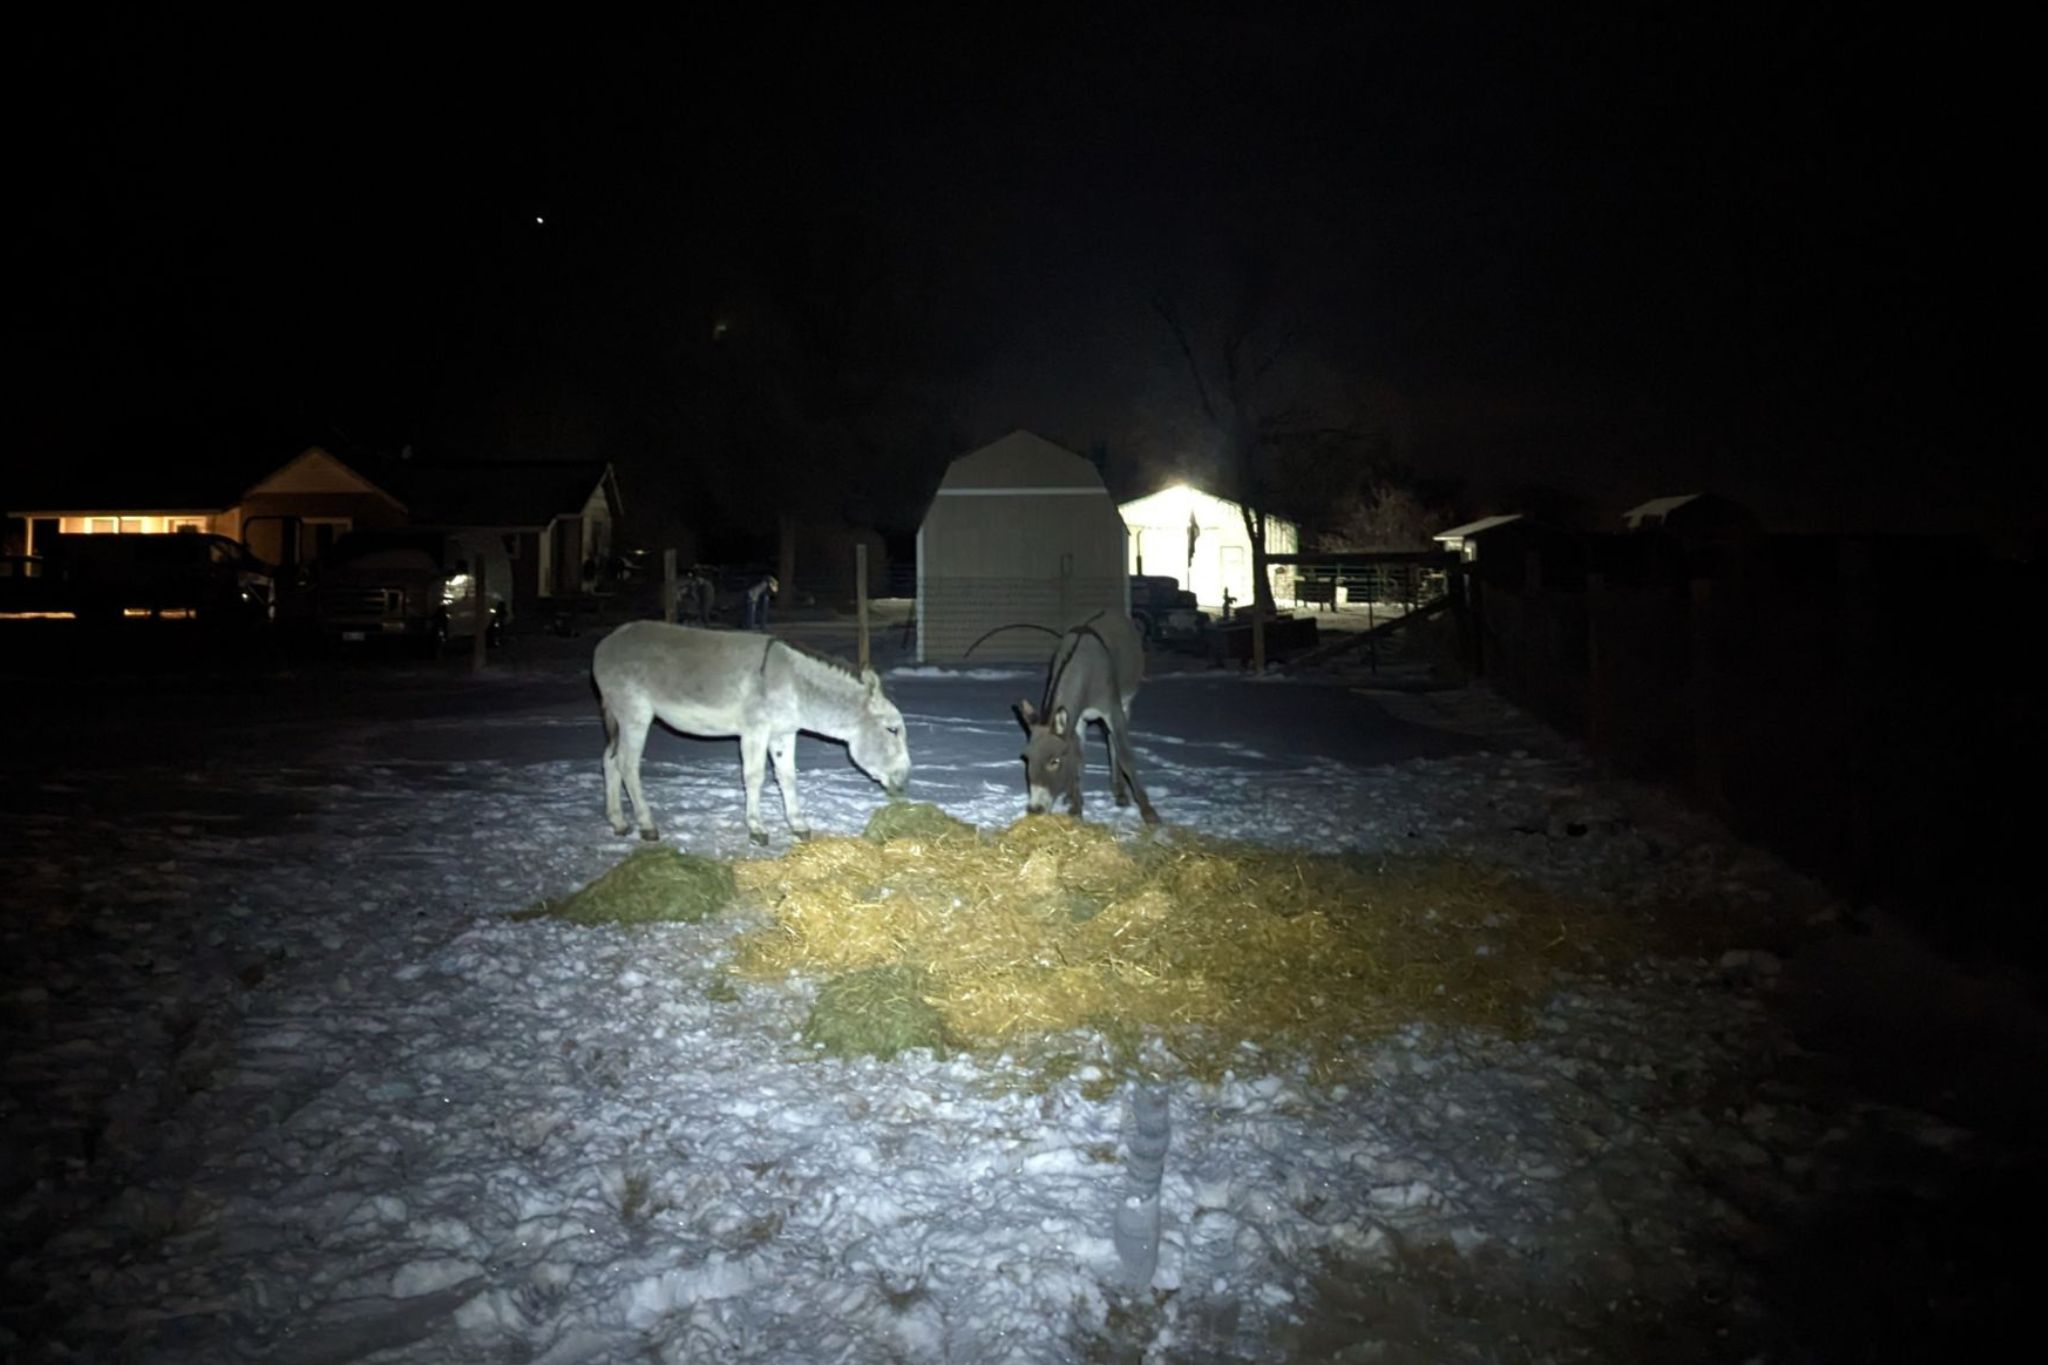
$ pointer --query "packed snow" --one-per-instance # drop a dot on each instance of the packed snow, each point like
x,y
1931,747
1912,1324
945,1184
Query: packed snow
x,y
289,1083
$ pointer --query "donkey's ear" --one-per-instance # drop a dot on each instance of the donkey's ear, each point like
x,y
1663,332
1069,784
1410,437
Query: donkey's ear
x,y
872,680
1027,713
1059,721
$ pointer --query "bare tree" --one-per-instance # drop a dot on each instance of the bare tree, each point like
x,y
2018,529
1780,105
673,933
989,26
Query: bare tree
x,y
1279,451
1383,514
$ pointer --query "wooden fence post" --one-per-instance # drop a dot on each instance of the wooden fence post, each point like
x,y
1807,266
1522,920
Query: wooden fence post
x,y
1597,602
860,597
668,585
785,560
1706,739
482,619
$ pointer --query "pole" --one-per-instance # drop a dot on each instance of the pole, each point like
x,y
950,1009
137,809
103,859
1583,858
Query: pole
x,y
479,645
1372,641
785,562
860,597
668,585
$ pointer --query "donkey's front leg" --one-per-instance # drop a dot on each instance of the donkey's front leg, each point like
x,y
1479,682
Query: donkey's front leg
x,y
754,766
1126,765
783,749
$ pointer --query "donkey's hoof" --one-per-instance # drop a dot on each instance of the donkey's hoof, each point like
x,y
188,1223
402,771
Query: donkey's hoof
x,y
622,829
1151,816
650,835
758,836
1122,799
800,831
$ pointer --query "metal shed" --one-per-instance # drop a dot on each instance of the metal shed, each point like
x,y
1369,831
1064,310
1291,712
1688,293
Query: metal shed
x,y
1021,532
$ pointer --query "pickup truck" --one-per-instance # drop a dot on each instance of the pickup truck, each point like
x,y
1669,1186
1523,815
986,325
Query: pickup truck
x,y
417,587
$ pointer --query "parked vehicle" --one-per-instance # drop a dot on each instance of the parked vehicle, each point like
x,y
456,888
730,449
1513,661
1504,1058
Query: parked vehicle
x,y
25,586
1163,609
418,587
100,578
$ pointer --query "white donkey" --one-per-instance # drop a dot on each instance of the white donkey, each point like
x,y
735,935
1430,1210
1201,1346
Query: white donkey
x,y
715,683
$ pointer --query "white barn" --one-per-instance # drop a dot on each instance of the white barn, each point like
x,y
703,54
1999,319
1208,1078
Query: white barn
x,y
1022,531
1200,539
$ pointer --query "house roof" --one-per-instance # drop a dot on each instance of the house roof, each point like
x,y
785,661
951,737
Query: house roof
x,y
197,475
1174,503
1473,528
506,495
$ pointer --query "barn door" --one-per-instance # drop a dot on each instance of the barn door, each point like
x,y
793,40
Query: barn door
x,y
1233,575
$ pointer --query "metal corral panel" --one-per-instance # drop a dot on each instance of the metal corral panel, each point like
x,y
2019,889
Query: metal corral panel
x,y
1022,532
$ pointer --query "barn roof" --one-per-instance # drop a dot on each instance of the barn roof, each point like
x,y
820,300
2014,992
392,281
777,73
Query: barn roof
x,y
1689,511
1655,510
1473,528
1021,462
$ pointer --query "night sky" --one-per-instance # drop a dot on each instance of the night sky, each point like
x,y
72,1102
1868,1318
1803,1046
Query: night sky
x,y
1763,252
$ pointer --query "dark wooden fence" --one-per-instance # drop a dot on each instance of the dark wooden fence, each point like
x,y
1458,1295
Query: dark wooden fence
x,y
1857,704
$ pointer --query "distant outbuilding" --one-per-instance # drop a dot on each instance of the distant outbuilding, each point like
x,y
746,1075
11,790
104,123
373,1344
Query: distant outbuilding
x,y
1021,532
1200,539
1691,514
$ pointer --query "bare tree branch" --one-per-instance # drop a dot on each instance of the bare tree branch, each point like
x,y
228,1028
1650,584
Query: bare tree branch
x,y
1187,350
1279,350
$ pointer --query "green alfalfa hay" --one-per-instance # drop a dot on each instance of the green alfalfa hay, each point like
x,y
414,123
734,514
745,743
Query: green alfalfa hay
x,y
651,886
914,820
876,1012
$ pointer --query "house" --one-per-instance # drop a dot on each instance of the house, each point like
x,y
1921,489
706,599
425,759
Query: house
x,y
556,516
1184,533
287,517
1021,532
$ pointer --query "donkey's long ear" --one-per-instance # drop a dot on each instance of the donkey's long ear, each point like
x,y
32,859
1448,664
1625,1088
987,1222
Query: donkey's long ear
x,y
1060,721
871,680
1027,713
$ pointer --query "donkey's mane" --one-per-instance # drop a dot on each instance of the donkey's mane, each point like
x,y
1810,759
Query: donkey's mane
x,y
831,661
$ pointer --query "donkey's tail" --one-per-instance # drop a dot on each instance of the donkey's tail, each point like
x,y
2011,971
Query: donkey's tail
x,y
611,729
1020,625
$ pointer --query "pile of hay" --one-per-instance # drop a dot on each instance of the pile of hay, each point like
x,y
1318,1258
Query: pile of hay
x,y
652,886
915,820
1053,925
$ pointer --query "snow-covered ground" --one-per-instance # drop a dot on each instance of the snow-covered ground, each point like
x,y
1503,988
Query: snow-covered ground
x,y
285,1082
